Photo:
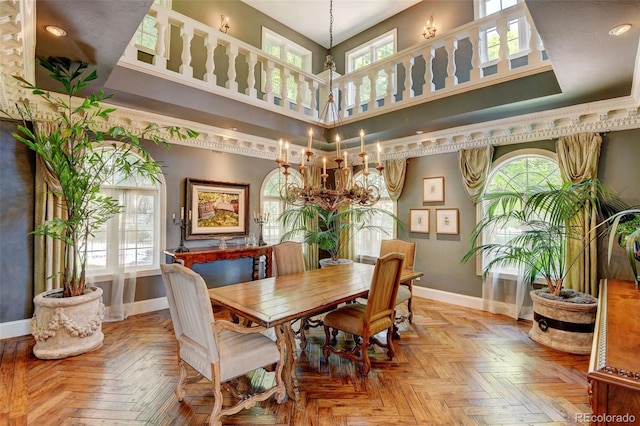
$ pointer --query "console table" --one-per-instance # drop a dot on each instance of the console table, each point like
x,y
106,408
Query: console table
x,y
211,254
614,367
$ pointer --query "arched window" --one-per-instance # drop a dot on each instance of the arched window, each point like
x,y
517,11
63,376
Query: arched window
x,y
134,238
273,204
516,172
367,242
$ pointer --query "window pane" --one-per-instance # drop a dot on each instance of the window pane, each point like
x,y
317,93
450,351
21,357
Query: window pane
x,y
516,175
367,241
273,204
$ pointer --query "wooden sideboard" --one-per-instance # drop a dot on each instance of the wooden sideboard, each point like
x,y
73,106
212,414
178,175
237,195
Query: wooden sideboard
x,y
211,254
614,367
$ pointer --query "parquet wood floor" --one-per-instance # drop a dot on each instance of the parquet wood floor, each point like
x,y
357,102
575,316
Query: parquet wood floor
x,y
453,366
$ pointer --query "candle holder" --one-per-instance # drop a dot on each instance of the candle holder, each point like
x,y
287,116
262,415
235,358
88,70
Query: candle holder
x,y
261,219
183,228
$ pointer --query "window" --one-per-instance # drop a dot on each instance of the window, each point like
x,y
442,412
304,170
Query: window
x,y
292,54
516,172
366,54
367,242
147,33
273,204
517,30
134,237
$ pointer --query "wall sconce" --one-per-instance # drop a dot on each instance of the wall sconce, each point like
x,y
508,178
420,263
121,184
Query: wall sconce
x,y
224,24
430,29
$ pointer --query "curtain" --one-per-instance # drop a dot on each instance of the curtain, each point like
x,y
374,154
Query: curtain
x,y
311,256
394,173
348,250
124,230
48,252
474,165
502,294
578,157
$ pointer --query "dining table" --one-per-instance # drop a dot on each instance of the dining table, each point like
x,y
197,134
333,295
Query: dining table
x,y
276,302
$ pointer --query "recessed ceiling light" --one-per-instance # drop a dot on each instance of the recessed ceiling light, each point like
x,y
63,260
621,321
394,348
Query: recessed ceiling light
x,y
419,132
56,31
619,30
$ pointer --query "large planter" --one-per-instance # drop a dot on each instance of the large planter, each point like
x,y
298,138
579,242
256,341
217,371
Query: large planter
x,y
67,326
564,326
330,262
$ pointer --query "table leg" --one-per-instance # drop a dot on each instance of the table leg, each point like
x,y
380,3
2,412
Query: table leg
x,y
289,371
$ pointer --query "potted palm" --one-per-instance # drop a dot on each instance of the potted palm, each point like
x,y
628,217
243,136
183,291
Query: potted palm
x,y
549,218
625,227
330,230
77,159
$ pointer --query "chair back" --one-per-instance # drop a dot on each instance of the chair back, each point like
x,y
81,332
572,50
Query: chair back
x,y
381,301
289,258
408,248
192,317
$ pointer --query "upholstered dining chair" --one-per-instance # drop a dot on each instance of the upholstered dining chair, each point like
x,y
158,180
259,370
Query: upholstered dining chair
x,y
289,259
217,350
405,291
364,321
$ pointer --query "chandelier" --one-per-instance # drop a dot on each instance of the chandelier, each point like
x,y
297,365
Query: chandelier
x,y
346,192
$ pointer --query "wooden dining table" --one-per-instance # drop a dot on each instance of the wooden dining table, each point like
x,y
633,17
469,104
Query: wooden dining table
x,y
278,301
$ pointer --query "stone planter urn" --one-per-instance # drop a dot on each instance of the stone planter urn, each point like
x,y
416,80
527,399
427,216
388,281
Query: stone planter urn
x,y
324,263
67,326
564,325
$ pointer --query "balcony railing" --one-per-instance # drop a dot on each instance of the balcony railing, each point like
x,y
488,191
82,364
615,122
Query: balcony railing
x,y
451,63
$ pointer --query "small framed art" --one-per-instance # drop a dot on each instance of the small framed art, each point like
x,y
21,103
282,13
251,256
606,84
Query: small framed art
x,y
419,220
433,189
447,221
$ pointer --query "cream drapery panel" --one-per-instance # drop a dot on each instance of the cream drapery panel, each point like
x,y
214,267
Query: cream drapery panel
x,y
312,177
348,250
578,157
48,252
394,173
474,165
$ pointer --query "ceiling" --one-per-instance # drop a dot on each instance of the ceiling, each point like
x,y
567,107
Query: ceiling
x,y
588,63
311,17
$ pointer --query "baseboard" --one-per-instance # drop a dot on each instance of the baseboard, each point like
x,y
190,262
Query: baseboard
x,y
23,327
448,297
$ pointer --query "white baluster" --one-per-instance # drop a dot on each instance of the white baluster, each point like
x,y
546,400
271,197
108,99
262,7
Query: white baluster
x,y
210,43
232,53
252,60
284,92
502,28
162,26
389,76
269,82
450,47
314,102
475,74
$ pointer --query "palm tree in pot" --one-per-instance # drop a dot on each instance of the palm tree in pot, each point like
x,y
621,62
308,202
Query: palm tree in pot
x,y
549,217
330,230
625,228
73,149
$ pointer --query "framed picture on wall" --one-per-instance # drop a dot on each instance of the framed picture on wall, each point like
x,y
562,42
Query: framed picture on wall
x,y
216,209
447,221
419,220
433,189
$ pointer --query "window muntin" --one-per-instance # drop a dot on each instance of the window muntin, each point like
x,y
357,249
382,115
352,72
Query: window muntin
x,y
133,238
146,35
294,55
517,31
366,54
273,204
367,241
516,172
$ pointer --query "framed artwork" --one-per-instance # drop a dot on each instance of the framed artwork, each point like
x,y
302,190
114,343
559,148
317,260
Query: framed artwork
x,y
216,209
419,220
447,221
433,189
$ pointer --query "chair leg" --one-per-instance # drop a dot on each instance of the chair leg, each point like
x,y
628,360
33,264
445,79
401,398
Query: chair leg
x,y
410,311
366,362
327,343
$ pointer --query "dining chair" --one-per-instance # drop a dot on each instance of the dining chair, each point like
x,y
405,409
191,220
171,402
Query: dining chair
x,y
289,259
405,291
220,351
364,321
